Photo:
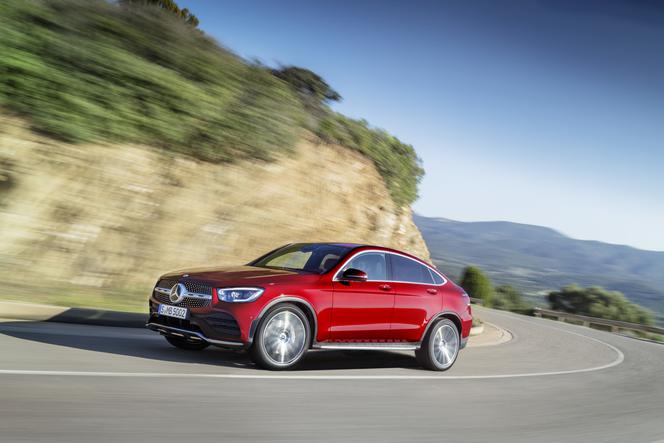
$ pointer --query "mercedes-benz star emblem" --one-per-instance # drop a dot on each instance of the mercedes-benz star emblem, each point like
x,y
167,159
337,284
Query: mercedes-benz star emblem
x,y
178,293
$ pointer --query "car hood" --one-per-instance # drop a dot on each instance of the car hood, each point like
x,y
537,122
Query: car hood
x,y
245,275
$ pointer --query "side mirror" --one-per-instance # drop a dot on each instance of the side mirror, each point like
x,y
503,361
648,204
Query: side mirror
x,y
352,274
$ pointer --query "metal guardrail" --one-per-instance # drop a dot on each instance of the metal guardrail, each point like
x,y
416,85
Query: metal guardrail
x,y
614,325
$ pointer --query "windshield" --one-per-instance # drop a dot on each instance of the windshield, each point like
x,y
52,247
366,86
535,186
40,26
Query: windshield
x,y
309,257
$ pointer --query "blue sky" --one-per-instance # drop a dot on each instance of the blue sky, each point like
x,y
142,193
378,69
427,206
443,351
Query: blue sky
x,y
540,112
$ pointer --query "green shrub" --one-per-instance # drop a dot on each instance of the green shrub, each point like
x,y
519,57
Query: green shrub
x,y
598,302
167,5
477,285
311,89
508,298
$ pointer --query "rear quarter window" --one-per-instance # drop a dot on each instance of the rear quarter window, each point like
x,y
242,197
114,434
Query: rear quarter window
x,y
407,270
437,279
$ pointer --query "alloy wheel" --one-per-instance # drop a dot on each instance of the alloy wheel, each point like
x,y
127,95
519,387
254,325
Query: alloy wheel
x,y
284,338
445,345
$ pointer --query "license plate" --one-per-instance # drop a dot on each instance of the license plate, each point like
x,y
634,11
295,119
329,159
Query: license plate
x,y
173,311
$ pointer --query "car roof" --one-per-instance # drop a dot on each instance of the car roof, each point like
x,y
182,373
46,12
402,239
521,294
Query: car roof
x,y
357,246
385,248
363,247
344,245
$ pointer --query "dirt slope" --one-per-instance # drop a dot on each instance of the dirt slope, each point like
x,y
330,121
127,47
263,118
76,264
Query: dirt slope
x,y
86,224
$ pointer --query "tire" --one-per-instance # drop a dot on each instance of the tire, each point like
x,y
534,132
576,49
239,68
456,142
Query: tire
x,y
186,344
282,338
440,347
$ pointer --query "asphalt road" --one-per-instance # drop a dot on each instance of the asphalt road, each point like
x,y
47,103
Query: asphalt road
x,y
552,382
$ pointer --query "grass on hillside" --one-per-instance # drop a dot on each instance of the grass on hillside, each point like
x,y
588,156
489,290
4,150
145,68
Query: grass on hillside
x,y
80,297
94,70
396,161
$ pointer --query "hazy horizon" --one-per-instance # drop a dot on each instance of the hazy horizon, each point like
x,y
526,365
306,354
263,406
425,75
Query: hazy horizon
x,y
543,113
537,226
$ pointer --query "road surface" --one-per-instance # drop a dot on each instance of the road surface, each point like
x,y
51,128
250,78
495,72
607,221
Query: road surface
x,y
551,382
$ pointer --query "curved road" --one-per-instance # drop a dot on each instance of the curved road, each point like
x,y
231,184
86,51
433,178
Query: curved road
x,y
551,382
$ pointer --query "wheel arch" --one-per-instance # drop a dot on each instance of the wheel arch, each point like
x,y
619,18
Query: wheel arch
x,y
451,315
297,301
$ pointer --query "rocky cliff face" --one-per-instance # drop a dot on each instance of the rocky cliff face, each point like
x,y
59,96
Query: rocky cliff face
x,y
105,220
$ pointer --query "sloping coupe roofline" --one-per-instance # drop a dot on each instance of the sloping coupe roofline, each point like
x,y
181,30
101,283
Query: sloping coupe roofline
x,y
355,246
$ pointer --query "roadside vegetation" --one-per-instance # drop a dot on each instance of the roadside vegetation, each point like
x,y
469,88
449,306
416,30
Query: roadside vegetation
x,y
592,301
141,72
598,302
167,5
478,285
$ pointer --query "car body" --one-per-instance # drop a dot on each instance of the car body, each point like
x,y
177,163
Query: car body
x,y
315,295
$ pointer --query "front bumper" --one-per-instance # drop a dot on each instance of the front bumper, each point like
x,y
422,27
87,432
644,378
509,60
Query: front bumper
x,y
214,326
191,335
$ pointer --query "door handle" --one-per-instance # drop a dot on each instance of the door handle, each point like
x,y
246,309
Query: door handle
x,y
385,287
432,291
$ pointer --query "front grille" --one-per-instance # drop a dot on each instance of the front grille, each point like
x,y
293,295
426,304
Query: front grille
x,y
166,284
188,302
191,286
198,288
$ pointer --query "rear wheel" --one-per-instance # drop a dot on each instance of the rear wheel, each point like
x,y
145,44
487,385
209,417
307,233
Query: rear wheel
x,y
282,338
183,343
440,347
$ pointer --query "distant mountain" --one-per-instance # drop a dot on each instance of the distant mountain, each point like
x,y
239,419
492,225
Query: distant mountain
x,y
537,259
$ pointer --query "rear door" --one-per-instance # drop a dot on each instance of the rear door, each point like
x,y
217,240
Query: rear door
x,y
417,297
362,311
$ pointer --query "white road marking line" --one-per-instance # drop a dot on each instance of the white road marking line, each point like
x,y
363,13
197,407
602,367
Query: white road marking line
x,y
303,377
619,359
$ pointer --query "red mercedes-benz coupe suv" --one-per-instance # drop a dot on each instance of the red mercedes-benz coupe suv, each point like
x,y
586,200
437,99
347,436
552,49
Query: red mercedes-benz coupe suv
x,y
316,295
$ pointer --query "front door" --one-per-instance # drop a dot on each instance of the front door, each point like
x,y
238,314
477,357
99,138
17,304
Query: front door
x,y
362,310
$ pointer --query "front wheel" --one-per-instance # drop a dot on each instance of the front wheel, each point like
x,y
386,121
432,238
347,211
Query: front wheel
x,y
282,338
440,347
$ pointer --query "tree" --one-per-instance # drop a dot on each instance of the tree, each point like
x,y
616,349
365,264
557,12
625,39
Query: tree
x,y
507,297
598,302
170,6
312,90
477,285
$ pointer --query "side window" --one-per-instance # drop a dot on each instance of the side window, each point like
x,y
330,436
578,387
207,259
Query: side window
x,y
373,263
437,279
407,270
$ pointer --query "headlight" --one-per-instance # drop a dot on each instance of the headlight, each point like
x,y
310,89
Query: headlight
x,y
239,295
